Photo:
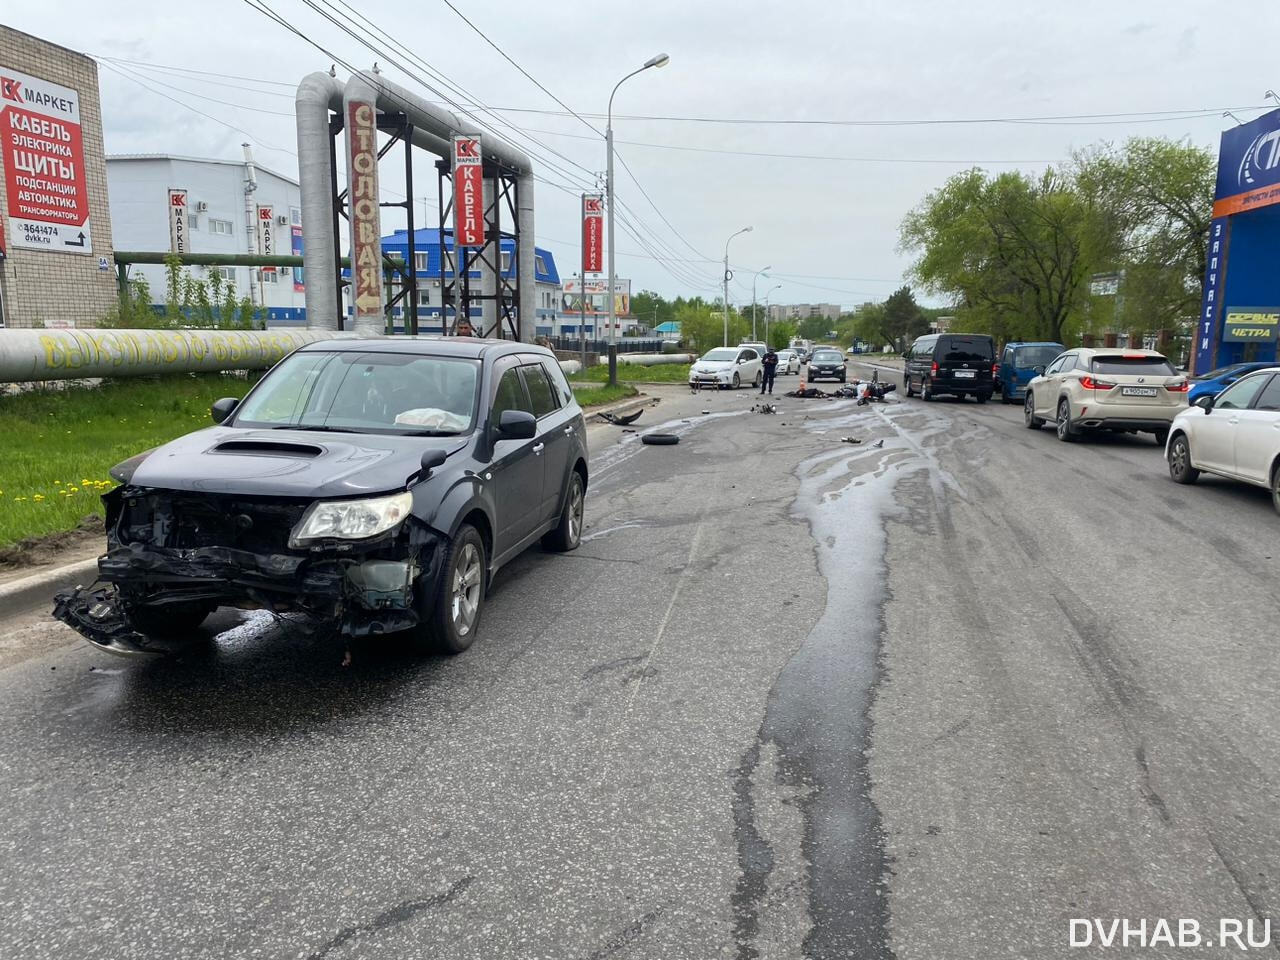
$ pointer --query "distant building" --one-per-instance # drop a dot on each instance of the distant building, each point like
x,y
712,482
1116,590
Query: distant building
x,y
804,311
941,324
427,269
56,247
217,222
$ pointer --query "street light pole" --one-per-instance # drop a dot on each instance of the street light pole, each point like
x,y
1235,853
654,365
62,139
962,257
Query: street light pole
x,y
759,273
727,276
661,60
768,311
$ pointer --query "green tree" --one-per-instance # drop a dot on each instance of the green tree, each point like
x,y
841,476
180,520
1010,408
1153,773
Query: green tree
x,y
1008,249
902,319
780,334
813,328
1152,205
651,309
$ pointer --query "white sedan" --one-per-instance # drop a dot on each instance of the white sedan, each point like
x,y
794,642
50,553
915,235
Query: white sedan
x,y
1235,434
727,367
788,362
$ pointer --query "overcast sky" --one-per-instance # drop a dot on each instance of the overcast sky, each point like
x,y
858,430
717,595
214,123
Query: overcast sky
x,y
827,227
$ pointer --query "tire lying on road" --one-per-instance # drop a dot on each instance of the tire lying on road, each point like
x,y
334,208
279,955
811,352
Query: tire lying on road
x,y
659,439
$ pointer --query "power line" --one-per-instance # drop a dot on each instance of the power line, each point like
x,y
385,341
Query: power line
x,y
225,103
170,68
525,72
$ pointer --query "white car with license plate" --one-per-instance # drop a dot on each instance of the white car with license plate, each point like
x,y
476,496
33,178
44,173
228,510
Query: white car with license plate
x,y
1234,435
1092,389
727,367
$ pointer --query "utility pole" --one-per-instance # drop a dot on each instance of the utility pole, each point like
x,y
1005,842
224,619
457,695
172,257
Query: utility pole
x,y
661,60
728,275
759,273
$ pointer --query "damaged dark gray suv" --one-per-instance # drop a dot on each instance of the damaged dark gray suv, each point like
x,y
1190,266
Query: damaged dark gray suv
x,y
373,485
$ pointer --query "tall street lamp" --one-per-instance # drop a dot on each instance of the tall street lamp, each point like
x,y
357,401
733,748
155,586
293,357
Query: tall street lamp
x,y
768,311
727,277
759,274
661,60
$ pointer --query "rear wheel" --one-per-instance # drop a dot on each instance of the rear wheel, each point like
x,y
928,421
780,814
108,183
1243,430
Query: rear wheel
x,y
1180,468
758,380
982,397
737,381
911,387
1066,432
1275,487
1029,413
568,533
459,601
926,392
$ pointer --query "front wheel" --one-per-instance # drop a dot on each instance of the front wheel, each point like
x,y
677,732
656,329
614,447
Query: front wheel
x,y
1180,468
737,381
568,533
1029,417
455,616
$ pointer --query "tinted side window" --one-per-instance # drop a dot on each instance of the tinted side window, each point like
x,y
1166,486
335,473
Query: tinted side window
x,y
1068,363
558,381
510,395
1055,366
1269,398
544,401
1238,395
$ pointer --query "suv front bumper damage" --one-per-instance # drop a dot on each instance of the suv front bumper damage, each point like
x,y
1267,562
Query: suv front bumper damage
x,y
354,588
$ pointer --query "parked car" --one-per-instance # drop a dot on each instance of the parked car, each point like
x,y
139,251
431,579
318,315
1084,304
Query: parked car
x,y
959,364
827,363
1017,367
727,367
1235,434
372,485
1215,381
788,362
759,346
1106,389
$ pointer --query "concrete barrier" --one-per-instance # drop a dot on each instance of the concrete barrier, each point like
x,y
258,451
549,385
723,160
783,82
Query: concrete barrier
x,y
655,359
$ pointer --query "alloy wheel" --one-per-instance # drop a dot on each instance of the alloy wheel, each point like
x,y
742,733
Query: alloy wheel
x,y
576,502
465,597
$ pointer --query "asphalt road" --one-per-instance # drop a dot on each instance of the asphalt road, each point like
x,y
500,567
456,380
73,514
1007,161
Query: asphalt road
x,y
791,698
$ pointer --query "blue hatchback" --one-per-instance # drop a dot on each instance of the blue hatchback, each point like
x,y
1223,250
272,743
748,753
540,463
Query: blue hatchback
x,y
1017,366
1215,381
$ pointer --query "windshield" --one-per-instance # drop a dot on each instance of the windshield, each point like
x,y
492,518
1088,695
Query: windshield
x,y
1040,356
391,393
827,356
721,355
1138,365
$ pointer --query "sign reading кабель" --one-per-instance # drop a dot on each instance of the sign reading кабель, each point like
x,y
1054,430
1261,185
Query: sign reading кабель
x,y
43,165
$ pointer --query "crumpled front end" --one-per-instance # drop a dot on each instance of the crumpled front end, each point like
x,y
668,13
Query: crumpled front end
x,y
180,550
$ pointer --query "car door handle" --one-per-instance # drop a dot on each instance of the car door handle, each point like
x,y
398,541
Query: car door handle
x,y
1233,421
568,430
538,448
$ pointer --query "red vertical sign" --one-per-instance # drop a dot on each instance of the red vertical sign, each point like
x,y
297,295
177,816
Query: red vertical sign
x,y
592,233
468,192
366,245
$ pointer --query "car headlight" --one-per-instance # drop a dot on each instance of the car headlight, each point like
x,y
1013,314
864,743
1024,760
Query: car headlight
x,y
352,519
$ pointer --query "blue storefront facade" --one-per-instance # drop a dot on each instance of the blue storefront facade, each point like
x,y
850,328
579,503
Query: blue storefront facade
x,y
1240,314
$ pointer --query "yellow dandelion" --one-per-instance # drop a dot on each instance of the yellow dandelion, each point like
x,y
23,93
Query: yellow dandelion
x,y
38,496
74,489
58,483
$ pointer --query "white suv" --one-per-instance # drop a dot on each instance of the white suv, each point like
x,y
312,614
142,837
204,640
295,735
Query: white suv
x,y
1235,434
1106,389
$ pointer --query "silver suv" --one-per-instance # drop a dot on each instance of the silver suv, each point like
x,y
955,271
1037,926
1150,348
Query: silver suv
x,y
1106,389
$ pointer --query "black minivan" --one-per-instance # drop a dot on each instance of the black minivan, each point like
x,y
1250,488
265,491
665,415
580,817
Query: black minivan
x,y
956,363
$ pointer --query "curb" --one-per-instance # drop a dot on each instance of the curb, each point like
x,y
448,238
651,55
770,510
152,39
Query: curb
x,y
21,596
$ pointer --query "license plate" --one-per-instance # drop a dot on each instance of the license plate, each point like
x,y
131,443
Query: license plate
x,y
962,374
1138,392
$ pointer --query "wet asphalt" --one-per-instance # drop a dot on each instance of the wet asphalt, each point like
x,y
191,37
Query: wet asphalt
x,y
791,698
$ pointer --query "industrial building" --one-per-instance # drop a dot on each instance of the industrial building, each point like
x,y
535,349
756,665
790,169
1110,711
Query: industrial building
x,y
426,243
221,216
804,311
55,247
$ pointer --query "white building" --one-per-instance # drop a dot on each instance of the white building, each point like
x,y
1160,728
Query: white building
x,y
804,311
218,222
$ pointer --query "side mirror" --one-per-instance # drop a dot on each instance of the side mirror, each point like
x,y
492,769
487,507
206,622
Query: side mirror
x,y
1205,402
430,460
1038,371
517,425
223,408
